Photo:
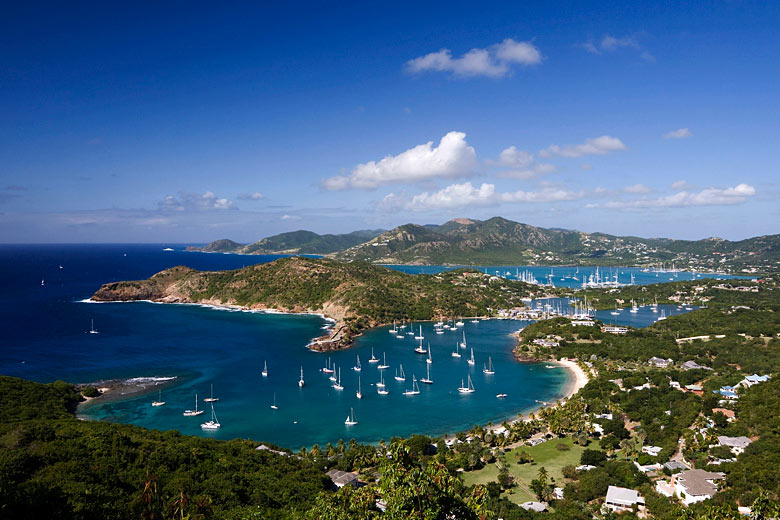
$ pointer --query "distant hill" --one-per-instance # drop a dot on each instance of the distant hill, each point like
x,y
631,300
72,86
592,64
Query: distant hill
x,y
293,242
501,242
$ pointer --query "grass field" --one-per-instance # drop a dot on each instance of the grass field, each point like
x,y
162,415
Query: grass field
x,y
545,455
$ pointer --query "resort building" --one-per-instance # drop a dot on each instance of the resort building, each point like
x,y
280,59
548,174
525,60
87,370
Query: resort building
x,y
622,499
737,445
660,363
612,329
696,485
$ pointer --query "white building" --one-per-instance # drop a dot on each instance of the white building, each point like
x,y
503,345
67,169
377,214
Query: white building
x,y
737,445
696,485
622,499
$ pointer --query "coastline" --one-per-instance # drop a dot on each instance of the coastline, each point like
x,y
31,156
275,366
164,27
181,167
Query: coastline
x,y
578,380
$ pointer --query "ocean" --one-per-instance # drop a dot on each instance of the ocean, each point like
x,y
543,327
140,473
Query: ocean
x,y
46,322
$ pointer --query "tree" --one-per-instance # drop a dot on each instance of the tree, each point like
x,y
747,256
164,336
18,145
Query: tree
x,y
593,457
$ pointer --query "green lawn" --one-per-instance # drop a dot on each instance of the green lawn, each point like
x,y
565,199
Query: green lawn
x,y
545,454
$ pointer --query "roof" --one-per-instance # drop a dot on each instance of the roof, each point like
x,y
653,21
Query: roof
x,y
623,496
342,478
733,442
691,365
534,506
725,411
755,378
675,464
697,482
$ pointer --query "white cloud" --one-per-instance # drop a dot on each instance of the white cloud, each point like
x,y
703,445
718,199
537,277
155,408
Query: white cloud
x,y
494,61
467,195
637,188
290,218
680,133
707,197
186,201
251,196
451,159
520,164
681,185
596,146
609,43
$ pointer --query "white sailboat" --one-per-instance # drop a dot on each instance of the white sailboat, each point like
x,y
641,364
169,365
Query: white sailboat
x,y
213,424
467,389
420,337
415,389
351,421
427,379
616,312
401,376
301,382
333,375
475,320
634,308
471,359
394,330
463,343
359,394
193,413
420,349
455,353
265,369
384,365
410,332
328,369
273,406
358,367
211,399
489,368
459,323
159,401
429,360
381,388
373,359
337,384
91,327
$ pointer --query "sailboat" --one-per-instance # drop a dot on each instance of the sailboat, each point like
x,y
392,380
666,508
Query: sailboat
x,y
159,401
337,384
359,394
468,389
401,376
634,308
381,389
92,328
475,320
273,406
357,368
211,399
415,389
410,332
373,359
420,349
403,324
427,379
616,311
459,323
471,359
43,282
193,413
213,424
351,418
301,381
333,375
265,369
455,353
662,316
429,360
384,365
394,330
463,343
489,368
327,369
420,337
655,305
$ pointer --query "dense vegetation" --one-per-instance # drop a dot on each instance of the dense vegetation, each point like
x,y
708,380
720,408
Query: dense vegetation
x,y
294,242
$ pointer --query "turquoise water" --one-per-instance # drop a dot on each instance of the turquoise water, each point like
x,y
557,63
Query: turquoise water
x,y
45,338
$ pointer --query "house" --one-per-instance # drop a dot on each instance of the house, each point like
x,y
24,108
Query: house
x,y
614,330
737,445
693,365
665,488
696,485
696,389
343,478
729,392
674,384
730,415
674,465
545,342
660,363
753,380
652,450
622,499
585,467
607,416
538,507
558,493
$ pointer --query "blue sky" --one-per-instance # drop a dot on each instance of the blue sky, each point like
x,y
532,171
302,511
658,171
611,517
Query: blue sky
x,y
188,122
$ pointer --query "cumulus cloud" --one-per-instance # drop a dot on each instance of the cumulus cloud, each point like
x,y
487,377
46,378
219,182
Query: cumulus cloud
x,y
452,158
186,201
681,185
251,196
609,43
707,197
596,146
467,195
520,165
495,61
680,133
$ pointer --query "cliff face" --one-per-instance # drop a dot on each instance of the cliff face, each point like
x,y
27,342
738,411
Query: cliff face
x,y
160,287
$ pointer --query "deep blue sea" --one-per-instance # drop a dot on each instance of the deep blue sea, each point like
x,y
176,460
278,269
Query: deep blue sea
x,y
45,337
